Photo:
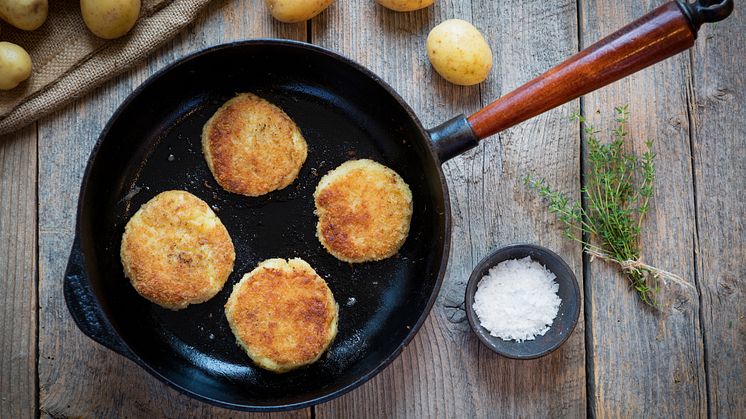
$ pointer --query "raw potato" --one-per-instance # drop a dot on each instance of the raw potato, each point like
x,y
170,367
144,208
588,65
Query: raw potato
x,y
24,14
110,19
15,65
459,53
293,11
405,5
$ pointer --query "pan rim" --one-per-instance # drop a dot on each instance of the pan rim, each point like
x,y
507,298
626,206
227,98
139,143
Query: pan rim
x,y
446,241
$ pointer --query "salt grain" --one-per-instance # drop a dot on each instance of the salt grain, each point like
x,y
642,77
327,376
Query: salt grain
x,y
517,300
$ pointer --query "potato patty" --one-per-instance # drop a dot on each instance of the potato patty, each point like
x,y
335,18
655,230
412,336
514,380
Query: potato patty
x,y
175,250
252,147
364,211
283,314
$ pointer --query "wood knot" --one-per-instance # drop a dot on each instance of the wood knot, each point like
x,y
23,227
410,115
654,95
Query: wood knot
x,y
722,94
727,286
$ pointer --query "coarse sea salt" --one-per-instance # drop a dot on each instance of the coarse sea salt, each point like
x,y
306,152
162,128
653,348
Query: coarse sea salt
x,y
517,300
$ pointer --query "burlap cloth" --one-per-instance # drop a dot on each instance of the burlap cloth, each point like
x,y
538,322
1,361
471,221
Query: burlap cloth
x,y
69,61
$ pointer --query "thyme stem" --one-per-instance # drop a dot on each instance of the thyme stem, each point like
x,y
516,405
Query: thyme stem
x,y
618,193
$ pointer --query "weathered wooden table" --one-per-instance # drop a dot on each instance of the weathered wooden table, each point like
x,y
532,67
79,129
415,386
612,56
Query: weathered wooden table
x,y
689,360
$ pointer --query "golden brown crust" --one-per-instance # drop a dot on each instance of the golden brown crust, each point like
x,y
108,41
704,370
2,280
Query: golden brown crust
x,y
175,250
364,211
283,314
252,147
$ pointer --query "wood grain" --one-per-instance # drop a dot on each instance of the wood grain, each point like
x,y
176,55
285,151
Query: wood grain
x,y
531,37
445,372
647,363
718,111
18,274
77,377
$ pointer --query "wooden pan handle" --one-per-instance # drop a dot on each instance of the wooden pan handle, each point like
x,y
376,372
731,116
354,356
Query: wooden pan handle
x,y
664,32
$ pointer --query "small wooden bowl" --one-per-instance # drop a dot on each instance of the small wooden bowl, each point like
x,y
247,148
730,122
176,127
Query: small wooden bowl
x,y
567,316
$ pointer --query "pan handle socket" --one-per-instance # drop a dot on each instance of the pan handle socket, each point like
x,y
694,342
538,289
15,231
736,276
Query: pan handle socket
x,y
452,138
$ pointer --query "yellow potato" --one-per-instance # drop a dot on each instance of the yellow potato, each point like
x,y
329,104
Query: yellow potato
x,y
15,65
110,19
24,14
292,11
459,53
405,5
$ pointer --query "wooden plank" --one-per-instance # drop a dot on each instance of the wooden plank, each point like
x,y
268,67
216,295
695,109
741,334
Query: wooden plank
x,y
18,274
77,377
445,372
647,363
420,383
718,110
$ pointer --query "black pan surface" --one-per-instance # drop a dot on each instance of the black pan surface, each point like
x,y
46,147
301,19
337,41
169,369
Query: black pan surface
x,y
152,145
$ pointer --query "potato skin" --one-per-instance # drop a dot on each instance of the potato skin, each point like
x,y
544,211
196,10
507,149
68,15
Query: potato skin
x,y
293,11
24,14
459,53
15,65
110,19
405,5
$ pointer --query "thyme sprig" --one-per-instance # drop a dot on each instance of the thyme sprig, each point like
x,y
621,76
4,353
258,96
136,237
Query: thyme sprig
x,y
619,186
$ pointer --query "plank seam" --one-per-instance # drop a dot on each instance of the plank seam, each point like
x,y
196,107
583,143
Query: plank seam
x,y
481,151
37,352
691,106
590,388
587,296
15,273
